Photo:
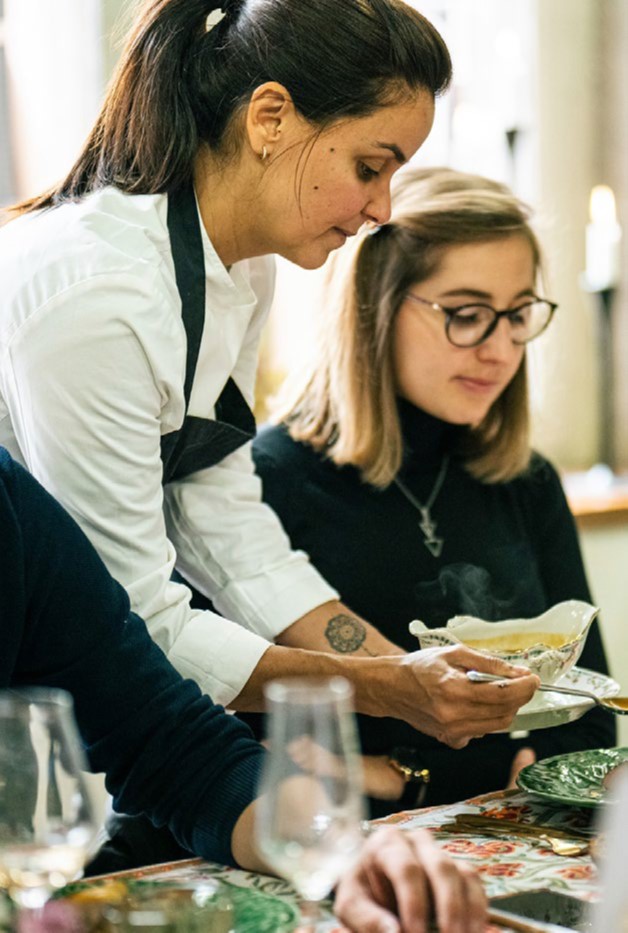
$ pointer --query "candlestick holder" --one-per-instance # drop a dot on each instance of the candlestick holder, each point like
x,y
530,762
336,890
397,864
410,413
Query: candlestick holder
x,y
604,299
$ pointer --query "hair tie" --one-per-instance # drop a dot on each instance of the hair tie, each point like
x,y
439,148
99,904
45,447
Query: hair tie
x,y
213,19
228,9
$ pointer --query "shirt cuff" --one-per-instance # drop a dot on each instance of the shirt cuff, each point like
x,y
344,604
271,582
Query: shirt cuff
x,y
218,654
269,603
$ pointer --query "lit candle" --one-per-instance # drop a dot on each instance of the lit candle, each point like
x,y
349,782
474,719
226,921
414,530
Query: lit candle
x,y
603,241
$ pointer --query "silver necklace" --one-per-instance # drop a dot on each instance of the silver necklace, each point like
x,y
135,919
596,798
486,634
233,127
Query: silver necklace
x,y
427,524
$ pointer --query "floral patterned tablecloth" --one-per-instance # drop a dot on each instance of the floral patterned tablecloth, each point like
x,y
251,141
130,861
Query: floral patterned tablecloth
x,y
510,863
507,864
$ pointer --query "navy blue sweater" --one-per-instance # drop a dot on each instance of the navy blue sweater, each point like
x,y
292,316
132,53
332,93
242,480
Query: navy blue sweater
x,y
168,751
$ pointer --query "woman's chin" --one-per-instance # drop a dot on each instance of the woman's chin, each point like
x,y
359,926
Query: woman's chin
x,y
312,255
312,262
465,419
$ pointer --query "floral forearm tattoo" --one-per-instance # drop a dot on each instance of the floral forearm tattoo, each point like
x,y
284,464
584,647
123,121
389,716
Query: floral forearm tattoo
x,y
346,634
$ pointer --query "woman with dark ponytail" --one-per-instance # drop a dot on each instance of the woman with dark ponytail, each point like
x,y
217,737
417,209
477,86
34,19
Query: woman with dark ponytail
x,y
134,294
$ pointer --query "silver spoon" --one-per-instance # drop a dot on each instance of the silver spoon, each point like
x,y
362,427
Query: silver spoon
x,y
618,705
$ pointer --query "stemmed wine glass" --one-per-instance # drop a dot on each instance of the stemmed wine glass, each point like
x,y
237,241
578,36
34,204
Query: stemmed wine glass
x,y
310,815
47,820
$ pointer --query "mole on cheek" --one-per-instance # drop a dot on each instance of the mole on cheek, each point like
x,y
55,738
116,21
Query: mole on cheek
x,y
315,187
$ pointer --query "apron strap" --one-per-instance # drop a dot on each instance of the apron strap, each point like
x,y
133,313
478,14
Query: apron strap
x,y
189,265
200,442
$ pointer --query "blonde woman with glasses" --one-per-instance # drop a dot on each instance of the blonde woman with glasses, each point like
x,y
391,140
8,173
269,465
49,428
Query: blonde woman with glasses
x,y
402,465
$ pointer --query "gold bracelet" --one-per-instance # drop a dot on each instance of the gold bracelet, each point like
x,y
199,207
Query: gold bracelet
x,y
421,776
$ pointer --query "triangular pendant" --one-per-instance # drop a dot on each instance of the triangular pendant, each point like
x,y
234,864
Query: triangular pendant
x,y
428,527
434,546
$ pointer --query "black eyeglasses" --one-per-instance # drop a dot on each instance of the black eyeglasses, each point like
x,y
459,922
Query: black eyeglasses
x,y
470,325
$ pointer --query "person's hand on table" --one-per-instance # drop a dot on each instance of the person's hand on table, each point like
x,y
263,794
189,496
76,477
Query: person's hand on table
x,y
433,694
401,879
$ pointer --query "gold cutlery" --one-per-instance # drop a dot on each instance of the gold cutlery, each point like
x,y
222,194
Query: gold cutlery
x,y
561,842
533,829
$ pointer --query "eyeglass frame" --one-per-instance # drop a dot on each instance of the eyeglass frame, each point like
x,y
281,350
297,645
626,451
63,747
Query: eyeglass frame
x,y
450,314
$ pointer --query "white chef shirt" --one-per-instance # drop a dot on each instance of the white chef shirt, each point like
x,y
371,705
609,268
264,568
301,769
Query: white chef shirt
x,y
92,368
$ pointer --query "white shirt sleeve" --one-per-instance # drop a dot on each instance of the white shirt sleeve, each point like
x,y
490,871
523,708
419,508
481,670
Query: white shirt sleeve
x,y
232,547
86,397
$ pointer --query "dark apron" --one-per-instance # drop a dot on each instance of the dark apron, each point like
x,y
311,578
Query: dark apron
x,y
199,443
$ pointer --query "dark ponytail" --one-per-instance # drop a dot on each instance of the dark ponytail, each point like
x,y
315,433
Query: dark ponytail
x,y
179,83
148,128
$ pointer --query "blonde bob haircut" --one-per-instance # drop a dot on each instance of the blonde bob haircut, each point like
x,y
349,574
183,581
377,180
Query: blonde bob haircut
x,y
344,403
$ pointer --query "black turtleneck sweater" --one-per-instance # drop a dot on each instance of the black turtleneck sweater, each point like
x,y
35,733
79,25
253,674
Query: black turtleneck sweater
x,y
510,550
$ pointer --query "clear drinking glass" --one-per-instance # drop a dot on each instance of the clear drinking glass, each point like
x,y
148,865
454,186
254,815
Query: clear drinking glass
x,y
309,825
46,816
